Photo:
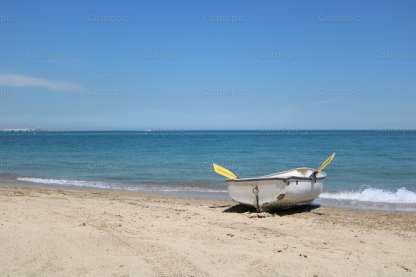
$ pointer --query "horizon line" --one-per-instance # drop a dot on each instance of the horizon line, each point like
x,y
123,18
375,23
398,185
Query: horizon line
x,y
194,130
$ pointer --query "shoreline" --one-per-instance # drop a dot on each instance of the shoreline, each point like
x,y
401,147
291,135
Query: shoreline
x,y
53,231
205,193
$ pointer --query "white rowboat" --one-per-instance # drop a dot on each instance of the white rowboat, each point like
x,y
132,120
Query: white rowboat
x,y
282,189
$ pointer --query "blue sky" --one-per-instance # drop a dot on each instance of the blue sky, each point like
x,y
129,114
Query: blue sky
x,y
265,64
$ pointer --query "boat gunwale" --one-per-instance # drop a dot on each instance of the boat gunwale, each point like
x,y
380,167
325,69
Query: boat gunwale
x,y
275,178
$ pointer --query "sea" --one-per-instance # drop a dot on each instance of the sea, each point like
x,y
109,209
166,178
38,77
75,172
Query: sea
x,y
373,169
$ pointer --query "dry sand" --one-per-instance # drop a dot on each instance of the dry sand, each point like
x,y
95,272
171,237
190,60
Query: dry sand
x,y
67,232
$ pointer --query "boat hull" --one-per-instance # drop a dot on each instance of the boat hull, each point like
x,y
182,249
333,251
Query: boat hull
x,y
269,194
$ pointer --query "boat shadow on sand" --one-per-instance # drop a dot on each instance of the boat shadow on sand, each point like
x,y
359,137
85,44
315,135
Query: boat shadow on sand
x,y
240,208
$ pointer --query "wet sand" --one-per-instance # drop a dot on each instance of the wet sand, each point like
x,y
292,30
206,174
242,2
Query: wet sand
x,y
47,231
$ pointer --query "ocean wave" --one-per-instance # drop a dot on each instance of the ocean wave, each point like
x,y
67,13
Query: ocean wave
x,y
401,195
192,189
63,182
104,185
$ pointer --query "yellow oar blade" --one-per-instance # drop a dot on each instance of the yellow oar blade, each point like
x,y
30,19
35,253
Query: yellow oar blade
x,y
326,162
224,172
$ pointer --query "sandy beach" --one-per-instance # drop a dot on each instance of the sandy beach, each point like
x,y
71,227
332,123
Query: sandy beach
x,y
48,231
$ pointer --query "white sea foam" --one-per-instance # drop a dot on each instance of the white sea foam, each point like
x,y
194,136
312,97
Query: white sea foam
x,y
103,185
62,182
402,195
192,189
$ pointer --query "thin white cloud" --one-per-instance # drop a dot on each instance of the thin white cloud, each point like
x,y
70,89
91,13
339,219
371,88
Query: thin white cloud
x,y
17,80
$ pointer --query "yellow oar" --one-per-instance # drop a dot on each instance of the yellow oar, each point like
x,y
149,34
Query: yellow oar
x,y
327,162
224,172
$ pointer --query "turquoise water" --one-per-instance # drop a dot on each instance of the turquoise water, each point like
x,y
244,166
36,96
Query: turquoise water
x,y
375,166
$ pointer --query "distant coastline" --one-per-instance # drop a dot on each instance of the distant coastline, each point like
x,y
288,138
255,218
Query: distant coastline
x,y
19,130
